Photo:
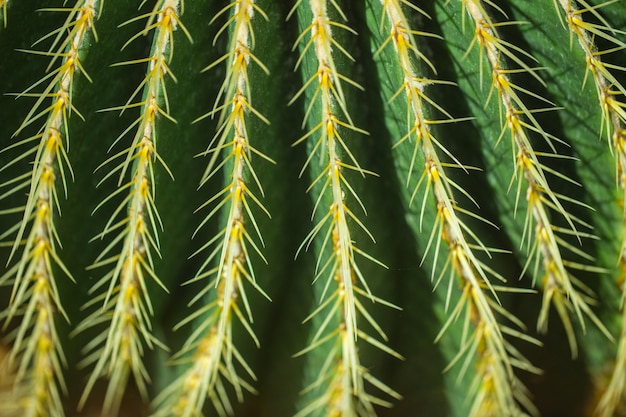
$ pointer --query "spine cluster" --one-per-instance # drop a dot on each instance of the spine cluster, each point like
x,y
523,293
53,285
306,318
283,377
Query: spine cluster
x,y
498,391
545,241
215,358
212,371
37,352
610,94
342,377
122,293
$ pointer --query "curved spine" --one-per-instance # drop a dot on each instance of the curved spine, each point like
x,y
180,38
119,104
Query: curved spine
x,y
342,378
123,302
560,287
611,100
210,350
498,392
37,351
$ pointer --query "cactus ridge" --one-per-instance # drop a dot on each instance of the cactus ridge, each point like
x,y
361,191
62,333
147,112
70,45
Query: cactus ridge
x,y
495,388
560,287
186,252
610,92
37,353
345,288
215,355
122,293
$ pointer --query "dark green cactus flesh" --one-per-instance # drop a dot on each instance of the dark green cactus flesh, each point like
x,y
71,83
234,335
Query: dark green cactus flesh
x,y
313,208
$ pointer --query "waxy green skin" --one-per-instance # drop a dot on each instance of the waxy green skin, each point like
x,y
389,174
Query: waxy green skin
x,y
566,386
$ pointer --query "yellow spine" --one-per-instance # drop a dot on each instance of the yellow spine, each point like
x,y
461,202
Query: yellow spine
x,y
210,349
37,351
498,392
611,100
560,288
118,352
342,376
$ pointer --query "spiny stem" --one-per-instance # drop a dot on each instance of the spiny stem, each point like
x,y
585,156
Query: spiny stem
x,y
560,287
118,352
37,349
342,372
611,100
214,357
610,91
498,391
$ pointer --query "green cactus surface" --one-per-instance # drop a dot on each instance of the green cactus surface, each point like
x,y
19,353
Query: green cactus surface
x,y
342,208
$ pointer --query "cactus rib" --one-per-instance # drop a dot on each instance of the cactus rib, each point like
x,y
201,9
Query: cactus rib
x,y
35,296
496,390
342,377
216,357
122,293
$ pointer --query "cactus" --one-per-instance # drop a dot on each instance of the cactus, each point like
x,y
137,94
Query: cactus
x,y
313,208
